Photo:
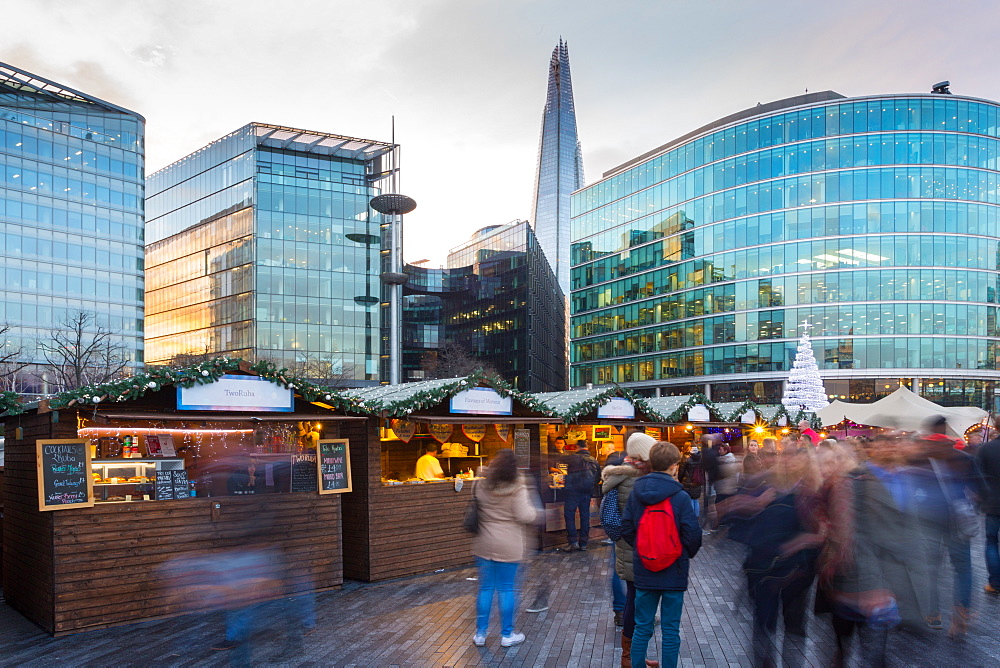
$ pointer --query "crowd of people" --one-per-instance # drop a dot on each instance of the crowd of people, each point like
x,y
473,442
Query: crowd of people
x,y
860,532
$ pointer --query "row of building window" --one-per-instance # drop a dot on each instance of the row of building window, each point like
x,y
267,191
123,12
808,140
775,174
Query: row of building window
x,y
950,183
60,279
46,211
199,290
830,286
888,251
109,128
832,154
844,320
938,113
847,353
65,152
661,244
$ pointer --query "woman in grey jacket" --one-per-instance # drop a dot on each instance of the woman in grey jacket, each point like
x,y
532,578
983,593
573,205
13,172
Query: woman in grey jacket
x,y
623,477
506,511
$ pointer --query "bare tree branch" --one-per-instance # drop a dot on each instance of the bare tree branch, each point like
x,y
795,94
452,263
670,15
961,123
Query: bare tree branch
x,y
83,352
452,360
11,360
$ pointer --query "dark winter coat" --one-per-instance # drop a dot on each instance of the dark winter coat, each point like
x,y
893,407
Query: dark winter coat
x,y
988,458
649,490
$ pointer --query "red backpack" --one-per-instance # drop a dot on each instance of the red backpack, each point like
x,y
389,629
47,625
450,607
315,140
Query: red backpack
x,y
658,543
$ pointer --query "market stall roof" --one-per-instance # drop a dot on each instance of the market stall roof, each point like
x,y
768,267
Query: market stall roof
x,y
733,411
574,405
675,409
156,379
902,410
404,399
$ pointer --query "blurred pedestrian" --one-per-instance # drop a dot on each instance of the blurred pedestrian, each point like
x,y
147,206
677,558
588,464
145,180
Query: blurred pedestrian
x,y
774,516
623,479
988,459
663,589
506,512
618,590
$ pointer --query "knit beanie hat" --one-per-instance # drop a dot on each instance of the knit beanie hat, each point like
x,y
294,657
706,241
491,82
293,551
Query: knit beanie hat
x,y
639,445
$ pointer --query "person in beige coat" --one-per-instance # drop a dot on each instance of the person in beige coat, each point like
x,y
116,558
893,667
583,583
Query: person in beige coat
x,y
623,477
506,513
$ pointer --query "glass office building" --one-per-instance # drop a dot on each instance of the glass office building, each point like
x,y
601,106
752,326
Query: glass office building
x,y
71,217
262,245
499,301
875,219
560,167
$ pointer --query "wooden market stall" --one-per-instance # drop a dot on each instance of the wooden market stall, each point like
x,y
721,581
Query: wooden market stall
x,y
602,416
116,496
396,524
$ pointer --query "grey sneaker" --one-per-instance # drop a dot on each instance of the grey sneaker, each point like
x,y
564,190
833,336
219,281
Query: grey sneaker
x,y
479,640
512,639
538,606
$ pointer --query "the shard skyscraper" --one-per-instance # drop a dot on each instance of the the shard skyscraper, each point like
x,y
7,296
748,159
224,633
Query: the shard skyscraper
x,y
560,167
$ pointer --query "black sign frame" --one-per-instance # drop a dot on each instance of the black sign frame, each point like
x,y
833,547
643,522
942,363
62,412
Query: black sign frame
x,y
42,457
322,468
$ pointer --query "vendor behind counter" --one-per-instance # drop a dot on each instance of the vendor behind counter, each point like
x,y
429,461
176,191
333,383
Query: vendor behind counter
x,y
428,466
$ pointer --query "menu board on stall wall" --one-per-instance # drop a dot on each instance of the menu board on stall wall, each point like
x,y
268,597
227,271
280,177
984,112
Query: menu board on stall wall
x,y
334,470
304,477
64,479
522,447
180,483
164,486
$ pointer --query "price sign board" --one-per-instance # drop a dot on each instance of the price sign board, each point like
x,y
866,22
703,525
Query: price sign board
x,y
64,479
522,447
304,477
334,469
164,486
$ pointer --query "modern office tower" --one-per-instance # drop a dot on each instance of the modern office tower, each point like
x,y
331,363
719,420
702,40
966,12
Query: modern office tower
x,y
497,301
262,245
560,167
874,219
71,221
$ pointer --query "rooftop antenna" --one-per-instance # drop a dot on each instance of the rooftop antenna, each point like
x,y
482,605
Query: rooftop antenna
x,y
941,88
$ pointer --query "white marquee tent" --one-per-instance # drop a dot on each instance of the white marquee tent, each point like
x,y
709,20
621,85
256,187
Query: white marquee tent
x,y
901,410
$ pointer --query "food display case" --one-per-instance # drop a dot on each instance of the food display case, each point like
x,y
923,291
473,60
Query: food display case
x,y
120,480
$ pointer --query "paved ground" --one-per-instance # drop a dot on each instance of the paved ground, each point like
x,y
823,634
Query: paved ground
x,y
428,621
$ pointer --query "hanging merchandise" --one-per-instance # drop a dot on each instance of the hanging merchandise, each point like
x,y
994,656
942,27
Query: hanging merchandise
x,y
804,390
476,432
403,429
503,431
441,432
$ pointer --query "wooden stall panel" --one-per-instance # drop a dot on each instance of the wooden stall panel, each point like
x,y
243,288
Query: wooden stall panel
x,y
119,563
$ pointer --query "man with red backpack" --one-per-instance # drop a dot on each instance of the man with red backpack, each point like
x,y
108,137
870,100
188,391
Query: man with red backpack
x,y
660,523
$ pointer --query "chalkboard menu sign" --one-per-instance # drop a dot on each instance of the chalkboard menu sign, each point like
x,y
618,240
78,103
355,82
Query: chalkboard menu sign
x,y
334,471
304,478
522,447
180,482
64,479
165,485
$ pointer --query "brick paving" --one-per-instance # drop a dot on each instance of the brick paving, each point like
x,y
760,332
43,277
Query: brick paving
x,y
428,621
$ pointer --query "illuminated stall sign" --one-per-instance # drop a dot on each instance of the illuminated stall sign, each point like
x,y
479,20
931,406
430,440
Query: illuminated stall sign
x,y
236,393
616,408
481,401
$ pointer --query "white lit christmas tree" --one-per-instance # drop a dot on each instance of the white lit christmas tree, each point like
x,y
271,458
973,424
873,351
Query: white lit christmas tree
x,y
804,390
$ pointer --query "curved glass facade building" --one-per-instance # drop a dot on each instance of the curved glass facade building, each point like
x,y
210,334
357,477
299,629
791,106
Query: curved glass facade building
x,y
875,219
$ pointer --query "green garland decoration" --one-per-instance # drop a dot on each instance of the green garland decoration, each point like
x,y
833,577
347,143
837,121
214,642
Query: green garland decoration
x,y
357,402
591,404
10,403
203,373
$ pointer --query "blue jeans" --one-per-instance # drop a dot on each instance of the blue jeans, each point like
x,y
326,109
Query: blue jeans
x,y
617,587
993,549
573,502
498,576
671,603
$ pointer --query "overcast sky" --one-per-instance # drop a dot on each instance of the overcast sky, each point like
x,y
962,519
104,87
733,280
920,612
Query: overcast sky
x,y
466,79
